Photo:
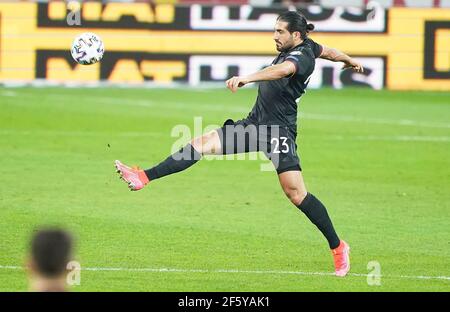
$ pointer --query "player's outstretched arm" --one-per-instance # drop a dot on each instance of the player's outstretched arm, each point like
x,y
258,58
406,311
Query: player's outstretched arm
x,y
269,73
335,55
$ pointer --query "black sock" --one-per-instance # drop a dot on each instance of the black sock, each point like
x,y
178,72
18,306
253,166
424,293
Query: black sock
x,y
317,214
181,160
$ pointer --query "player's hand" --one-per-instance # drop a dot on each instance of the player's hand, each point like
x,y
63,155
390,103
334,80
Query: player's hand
x,y
352,64
236,82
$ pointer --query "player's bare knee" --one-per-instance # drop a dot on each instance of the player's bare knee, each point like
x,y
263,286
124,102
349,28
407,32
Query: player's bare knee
x,y
208,137
301,196
295,195
211,142
295,198
204,143
197,144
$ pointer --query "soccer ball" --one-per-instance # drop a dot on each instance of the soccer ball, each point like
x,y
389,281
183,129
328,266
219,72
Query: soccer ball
x,y
87,49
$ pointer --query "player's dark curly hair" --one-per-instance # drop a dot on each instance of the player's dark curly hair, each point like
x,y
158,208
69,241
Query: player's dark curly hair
x,y
296,22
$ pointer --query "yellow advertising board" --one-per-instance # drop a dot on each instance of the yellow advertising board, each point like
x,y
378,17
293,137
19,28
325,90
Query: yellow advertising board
x,y
402,48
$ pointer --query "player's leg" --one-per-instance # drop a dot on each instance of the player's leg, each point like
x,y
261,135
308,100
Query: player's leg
x,y
208,143
190,154
294,188
282,150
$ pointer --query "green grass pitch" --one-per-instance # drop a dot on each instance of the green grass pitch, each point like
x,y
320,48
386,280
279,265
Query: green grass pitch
x,y
379,160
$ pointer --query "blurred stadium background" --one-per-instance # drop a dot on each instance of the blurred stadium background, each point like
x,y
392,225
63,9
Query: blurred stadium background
x,y
403,44
377,151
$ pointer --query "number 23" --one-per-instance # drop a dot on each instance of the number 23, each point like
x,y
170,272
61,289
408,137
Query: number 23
x,y
284,145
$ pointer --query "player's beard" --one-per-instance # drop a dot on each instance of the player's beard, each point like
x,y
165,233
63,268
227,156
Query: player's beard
x,y
280,48
283,47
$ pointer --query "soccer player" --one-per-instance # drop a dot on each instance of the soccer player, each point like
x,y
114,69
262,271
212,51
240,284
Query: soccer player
x,y
270,127
51,251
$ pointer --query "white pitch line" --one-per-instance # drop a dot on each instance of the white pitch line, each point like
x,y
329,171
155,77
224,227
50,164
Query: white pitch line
x,y
227,108
229,271
383,121
39,132
396,138
8,93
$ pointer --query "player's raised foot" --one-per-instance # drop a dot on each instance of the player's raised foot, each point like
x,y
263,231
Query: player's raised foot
x,y
134,177
341,256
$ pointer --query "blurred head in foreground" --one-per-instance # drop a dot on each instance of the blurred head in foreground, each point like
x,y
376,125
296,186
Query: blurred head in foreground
x,y
50,252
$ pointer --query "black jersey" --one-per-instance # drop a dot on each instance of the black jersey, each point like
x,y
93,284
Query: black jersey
x,y
276,103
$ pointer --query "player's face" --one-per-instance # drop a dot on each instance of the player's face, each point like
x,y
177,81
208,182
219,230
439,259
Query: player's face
x,y
284,40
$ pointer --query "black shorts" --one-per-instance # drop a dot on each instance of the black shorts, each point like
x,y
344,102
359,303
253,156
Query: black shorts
x,y
277,142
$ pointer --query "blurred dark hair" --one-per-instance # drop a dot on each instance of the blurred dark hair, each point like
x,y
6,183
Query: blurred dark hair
x,y
296,22
51,250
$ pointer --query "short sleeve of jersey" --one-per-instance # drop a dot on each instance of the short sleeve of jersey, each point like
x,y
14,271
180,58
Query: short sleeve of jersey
x,y
316,48
301,61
